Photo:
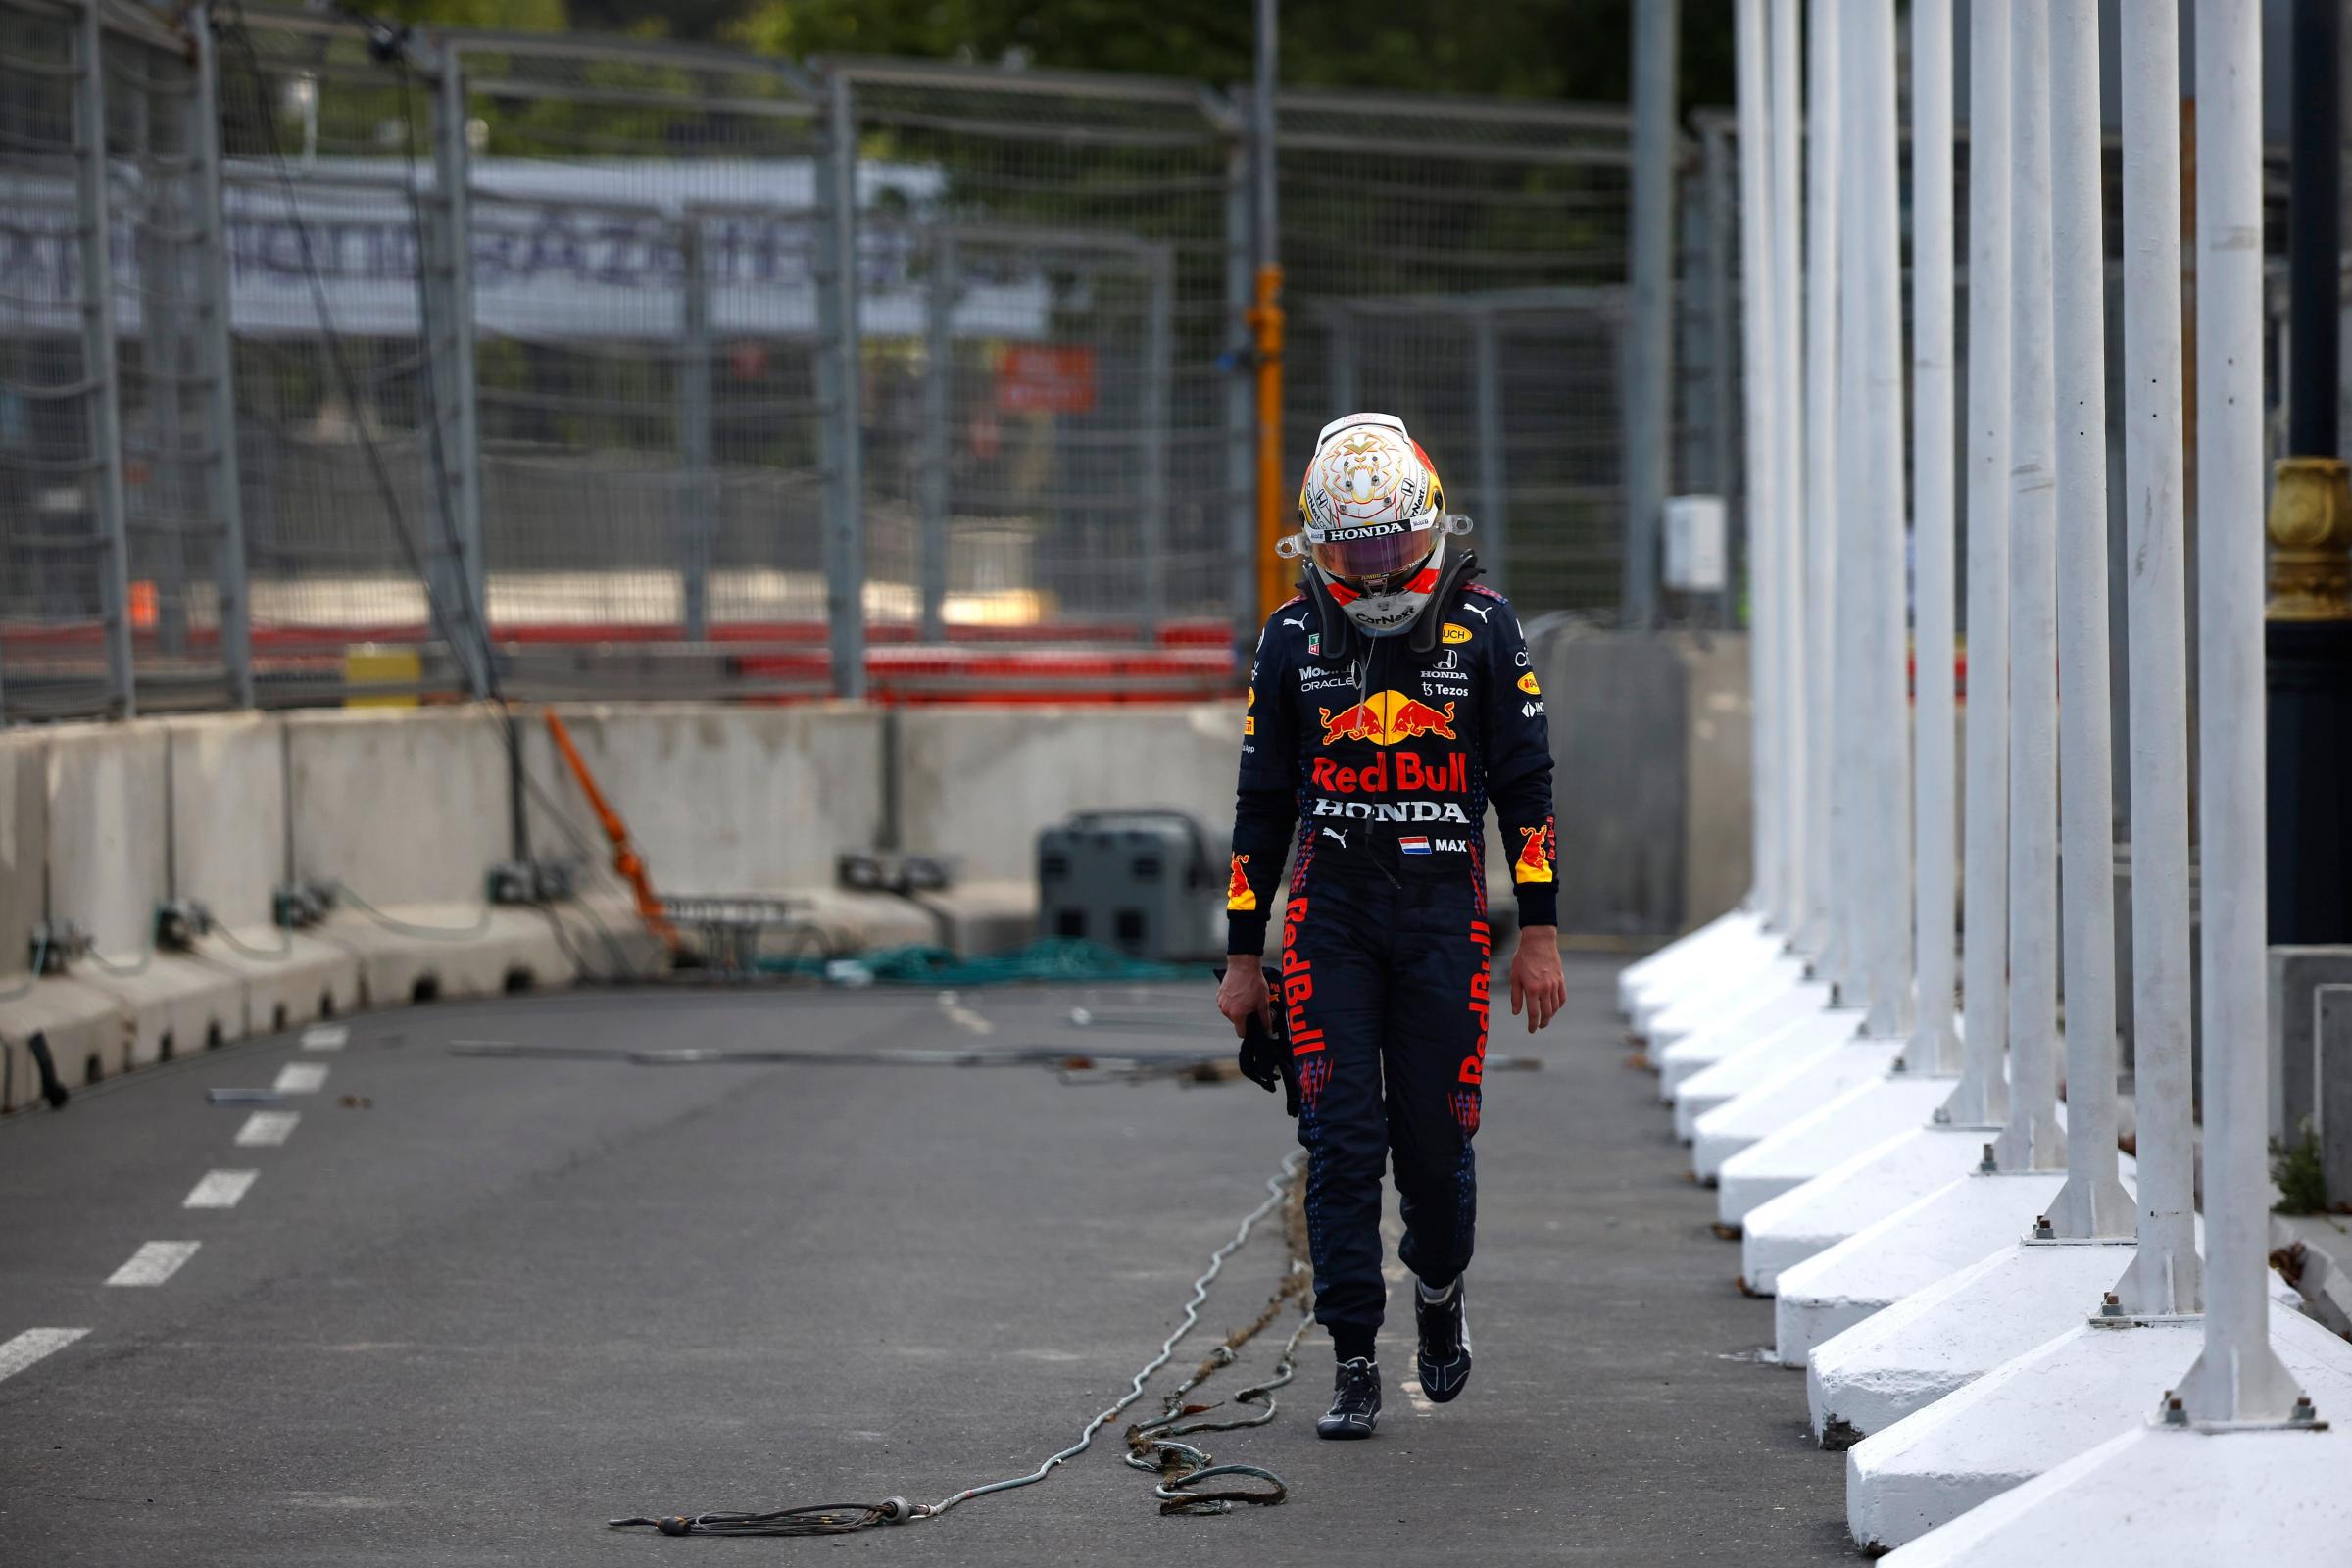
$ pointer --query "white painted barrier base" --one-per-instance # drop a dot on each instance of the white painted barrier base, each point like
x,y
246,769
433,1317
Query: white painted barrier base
x,y
446,951
1853,1122
177,1005
1762,1060
1700,1010
1765,1108
2092,1383
289,978
1958,1224
2162,1498
1696,1053
1693,948
1853,1195
1732,968
1954,1330
87,1030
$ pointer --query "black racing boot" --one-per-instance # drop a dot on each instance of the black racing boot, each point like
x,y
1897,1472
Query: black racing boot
x,y
1444,1362
1355,1401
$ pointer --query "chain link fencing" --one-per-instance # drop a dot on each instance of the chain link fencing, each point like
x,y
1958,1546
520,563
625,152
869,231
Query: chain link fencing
x,y
579,365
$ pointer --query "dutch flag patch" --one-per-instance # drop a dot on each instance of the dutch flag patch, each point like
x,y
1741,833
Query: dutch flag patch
x,y
1413,844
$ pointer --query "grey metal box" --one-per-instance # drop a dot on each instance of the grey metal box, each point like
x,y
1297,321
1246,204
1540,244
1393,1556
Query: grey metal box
x,y
1143,882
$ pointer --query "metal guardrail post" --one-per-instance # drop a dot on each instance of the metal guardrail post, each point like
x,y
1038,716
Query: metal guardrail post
x,y
2166,1275
1241,399
1716,206
2238,1376
695,446
215,365
1650,364
1935,846
1266,309
1340,362
460,465
1159,370
838,391
163,348
1773,669
1493,503
98,338
1981,1097
938,441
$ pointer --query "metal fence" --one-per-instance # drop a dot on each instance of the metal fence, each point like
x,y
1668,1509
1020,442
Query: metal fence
x,y
591,364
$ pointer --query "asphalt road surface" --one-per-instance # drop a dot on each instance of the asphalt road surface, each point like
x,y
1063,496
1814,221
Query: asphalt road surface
x,y
473,1305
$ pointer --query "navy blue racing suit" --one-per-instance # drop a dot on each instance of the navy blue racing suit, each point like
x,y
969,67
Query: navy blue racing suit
x,y
1381,757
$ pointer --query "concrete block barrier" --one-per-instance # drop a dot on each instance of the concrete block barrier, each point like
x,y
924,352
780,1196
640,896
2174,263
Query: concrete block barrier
x,y
1654,731
107,832
288,978
405,811
229,823
177,1005
89,1035
976,784
442,952
402,807
23,847
974,919
720,800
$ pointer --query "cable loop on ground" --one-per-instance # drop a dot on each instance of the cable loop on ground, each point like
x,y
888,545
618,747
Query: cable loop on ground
x,y
1151,1446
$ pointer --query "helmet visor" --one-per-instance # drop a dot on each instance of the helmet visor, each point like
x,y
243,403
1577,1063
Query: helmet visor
x,y
1368,555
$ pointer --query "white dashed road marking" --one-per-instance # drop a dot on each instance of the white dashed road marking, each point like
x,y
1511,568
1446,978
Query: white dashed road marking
x,y
1421,1403
153,1263
325,1037
31,1346
220,1189
300,1078
963,1015
266,1128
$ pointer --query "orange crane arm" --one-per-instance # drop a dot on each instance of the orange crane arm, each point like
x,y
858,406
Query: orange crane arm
x,y
625,858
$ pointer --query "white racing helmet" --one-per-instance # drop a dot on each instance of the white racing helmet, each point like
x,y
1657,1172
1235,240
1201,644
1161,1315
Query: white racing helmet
x,y
1373,522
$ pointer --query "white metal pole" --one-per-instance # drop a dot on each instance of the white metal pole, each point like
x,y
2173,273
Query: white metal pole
x,y
1982,1098
2236,1377
1789,429
2166,1275
1825,925
1767,631
2092,1203
1850,512
2030,1140
1840,507
1882,716
1934,1045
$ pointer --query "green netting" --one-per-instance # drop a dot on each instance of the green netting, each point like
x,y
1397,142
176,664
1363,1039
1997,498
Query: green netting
x,y
1053,959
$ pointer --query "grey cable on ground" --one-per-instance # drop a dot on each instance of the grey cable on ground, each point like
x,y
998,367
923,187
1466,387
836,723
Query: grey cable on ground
x,y
1179,1465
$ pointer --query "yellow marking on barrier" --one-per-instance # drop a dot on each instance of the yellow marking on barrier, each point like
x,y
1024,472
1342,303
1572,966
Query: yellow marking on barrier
x,y
367,664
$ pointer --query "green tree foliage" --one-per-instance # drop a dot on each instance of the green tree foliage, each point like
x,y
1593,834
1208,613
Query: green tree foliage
x,y
504,16
1576,50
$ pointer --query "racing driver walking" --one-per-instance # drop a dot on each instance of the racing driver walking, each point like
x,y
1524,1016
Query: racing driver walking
x,y
1390,702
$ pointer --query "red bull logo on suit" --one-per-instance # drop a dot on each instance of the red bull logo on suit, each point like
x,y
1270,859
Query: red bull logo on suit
x,y
1387,718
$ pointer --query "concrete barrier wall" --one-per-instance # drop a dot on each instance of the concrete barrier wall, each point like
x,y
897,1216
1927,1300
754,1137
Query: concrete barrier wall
x,y
977,783
1650,737
107,851
721,799
229,812
1719,801
410,807
24,846
403,806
